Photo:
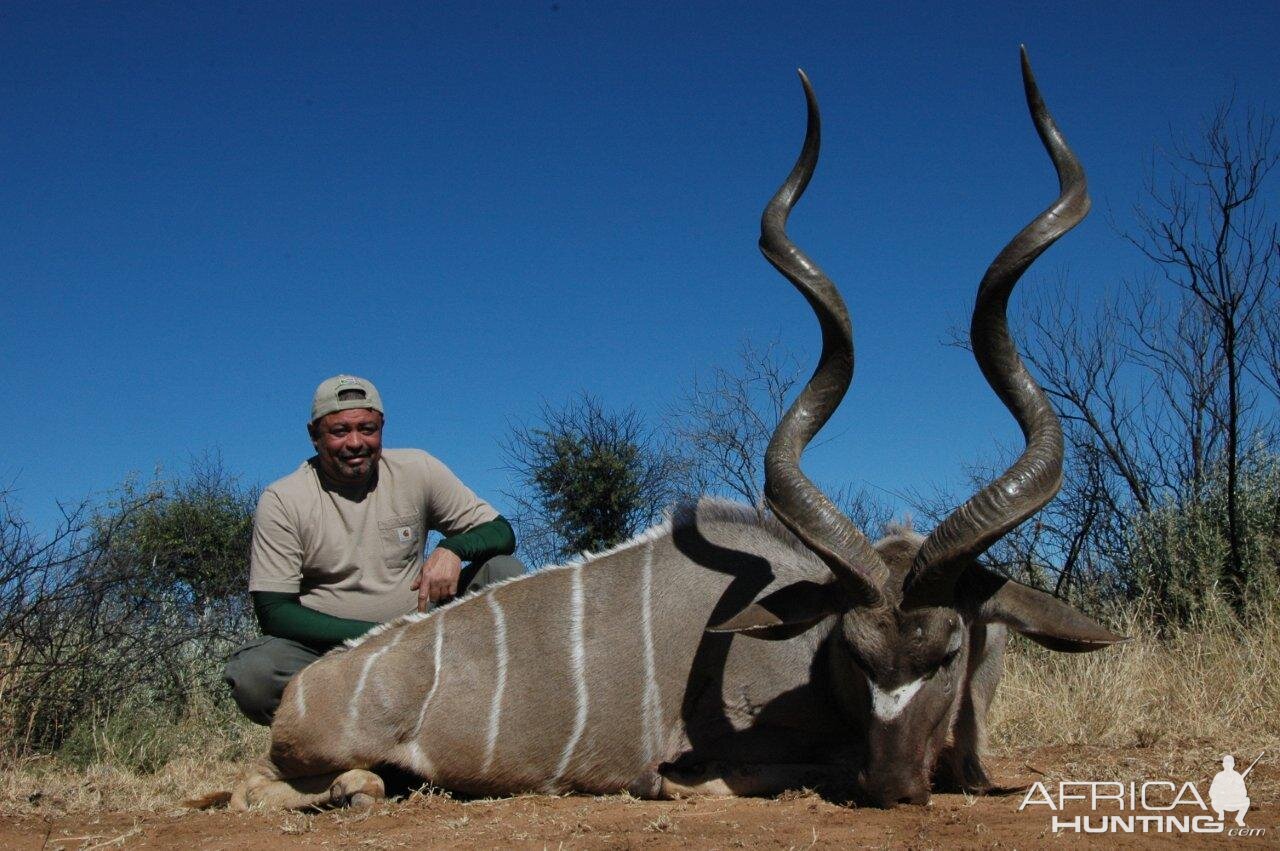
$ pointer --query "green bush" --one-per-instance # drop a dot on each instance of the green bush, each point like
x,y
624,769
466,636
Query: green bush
x,y
590,478
143,735
1179,554
120,620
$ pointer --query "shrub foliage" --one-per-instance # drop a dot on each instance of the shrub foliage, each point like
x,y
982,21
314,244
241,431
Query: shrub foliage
x,y
126,610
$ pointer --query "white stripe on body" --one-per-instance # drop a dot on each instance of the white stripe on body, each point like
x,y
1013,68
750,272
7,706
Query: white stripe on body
x,y
652,703
421,763
887,705
354,712
577,612
299,699
382,692
500,652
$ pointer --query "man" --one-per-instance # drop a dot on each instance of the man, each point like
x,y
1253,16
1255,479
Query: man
x,y
337,544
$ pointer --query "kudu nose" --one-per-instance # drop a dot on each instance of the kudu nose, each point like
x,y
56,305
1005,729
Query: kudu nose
x,y
920,797
887,792
890,798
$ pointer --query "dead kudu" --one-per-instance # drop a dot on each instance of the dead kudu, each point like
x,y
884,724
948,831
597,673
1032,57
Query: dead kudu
x,y
721,652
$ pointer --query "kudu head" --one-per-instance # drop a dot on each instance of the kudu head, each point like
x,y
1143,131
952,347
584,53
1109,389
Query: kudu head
x,y
911,610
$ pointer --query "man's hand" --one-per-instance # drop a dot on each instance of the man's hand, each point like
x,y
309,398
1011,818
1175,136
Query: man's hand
x,y
439,578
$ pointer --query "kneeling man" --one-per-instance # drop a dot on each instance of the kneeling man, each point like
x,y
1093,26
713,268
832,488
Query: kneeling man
x,y
338,544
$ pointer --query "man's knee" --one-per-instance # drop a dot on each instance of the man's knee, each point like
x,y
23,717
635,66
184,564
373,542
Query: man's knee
x,y
500,568
258,672
248,674
496,569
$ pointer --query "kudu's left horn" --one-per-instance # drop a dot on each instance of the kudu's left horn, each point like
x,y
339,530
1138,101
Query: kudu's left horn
x,y
1036,476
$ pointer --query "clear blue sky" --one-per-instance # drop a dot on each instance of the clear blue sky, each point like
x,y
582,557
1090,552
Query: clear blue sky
x,y
206,208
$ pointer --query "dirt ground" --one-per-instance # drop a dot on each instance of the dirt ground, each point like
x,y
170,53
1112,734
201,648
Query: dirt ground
x,y
797,820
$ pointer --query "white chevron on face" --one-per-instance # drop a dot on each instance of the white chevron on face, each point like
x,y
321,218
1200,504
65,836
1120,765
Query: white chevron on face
x,y
888,705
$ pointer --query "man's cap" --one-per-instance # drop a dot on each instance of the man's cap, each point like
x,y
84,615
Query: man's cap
x,y
343,392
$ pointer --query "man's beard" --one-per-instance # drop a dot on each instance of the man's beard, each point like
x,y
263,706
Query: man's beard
x,y
352,471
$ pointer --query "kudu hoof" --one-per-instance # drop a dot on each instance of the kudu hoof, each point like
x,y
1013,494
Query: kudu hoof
x,y
357,789
360,801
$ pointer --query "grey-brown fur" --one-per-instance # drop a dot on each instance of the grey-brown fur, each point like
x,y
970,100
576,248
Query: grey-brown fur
x,y
693,666
728,704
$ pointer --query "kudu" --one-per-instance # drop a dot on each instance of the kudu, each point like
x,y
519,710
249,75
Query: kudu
x,y
722,652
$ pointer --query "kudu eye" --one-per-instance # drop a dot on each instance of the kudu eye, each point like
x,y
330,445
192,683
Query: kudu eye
x,y
943,664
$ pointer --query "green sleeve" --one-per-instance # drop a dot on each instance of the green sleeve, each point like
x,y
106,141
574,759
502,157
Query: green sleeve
x,y
282,616
495,538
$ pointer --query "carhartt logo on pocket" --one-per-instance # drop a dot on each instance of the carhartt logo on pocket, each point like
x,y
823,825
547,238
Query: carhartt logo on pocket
x,y
405,533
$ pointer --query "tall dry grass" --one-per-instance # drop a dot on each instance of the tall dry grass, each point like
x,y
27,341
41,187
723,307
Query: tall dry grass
x,y
132,762
1213,682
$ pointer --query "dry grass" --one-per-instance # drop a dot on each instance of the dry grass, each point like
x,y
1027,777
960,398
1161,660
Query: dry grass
x,y
1172,703
41,786
47,785
1218,683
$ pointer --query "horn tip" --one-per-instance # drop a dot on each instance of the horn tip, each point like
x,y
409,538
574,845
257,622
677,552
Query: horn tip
x,y
804,81
1028,77
1030,87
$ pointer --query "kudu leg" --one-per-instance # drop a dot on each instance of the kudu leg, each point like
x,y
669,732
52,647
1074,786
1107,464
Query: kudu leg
x,y
355,788
752,780
959,767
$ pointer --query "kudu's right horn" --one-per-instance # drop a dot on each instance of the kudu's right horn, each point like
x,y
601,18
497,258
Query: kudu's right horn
x,y
1036,476
790,495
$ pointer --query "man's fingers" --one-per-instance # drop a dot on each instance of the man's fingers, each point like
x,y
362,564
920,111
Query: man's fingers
x,y
441,588
421,587
432,586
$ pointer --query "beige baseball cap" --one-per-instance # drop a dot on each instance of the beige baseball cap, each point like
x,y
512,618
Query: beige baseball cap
x,y
343,392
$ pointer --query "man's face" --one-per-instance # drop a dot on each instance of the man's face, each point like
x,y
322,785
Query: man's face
x,y
349,444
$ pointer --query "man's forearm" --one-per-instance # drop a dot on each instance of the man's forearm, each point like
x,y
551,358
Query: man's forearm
x,y
495,538
283,616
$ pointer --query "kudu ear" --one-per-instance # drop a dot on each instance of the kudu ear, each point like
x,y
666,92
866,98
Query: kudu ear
x,y
786,612
1043,618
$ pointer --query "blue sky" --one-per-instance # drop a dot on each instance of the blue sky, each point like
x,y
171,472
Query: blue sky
x,y
207,208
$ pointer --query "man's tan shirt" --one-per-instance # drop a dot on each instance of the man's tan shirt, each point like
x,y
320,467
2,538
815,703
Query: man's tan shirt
x,y
356,558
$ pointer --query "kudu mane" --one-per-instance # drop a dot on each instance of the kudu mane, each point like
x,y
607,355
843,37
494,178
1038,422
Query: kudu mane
x,y
682,516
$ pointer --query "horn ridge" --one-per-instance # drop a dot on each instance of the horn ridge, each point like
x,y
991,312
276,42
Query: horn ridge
x,y
1036,476
789,494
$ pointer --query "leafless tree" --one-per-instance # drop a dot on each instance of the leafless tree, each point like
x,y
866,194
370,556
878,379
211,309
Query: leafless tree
x,y
723,423
1207,230
134,598
1167,384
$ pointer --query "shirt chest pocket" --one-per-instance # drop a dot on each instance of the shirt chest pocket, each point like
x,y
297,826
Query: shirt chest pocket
x,y
401,538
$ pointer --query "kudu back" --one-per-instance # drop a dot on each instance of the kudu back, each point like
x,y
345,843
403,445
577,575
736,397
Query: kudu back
x,y
728,650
